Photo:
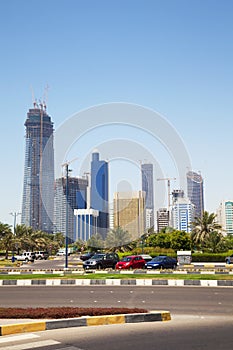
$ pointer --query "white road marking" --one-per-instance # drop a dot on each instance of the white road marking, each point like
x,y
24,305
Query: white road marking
x,y
32,345
11,338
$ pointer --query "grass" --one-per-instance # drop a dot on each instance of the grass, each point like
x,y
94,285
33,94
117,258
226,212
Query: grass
x,y
102,276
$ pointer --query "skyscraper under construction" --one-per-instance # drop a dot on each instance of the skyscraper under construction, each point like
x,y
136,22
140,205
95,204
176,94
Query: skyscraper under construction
x,y
38,185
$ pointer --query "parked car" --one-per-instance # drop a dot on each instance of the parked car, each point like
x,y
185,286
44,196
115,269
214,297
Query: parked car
x,y
229,259
25,256
161,262
146,257
101,261
131,262
41,255
87,256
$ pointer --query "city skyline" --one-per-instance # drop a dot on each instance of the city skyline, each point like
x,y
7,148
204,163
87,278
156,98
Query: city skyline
x,y
172,57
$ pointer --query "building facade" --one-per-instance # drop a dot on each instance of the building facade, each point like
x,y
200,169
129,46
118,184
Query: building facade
x,y
162,219
129,212
77,198
148,188
99,192
183,211
85,223
38,182
196,192
225,216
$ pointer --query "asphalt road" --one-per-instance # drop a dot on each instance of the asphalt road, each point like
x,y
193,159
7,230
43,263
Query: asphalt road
x,y
177,300
181,333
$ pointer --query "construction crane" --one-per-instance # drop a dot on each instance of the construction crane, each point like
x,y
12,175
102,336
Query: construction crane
x,y
168,179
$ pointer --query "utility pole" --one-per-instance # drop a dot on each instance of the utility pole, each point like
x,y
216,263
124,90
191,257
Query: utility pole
x,y
66,166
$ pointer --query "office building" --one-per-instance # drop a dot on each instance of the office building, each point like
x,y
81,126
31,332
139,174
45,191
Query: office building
x,y
38,182
129,212
85,223
162,219
99,192
183,211
225,216
177,194
148,188
195,192
77,198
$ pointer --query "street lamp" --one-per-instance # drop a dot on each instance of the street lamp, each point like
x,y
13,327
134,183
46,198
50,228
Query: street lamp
x,y
66,166
14,214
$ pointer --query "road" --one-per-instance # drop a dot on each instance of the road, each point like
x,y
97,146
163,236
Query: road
x,y
202,318
178,300
182,333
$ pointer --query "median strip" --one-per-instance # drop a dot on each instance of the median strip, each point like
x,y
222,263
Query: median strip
x,y
152,316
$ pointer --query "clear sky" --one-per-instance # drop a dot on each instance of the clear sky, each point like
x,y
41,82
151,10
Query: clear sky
x,y
172,56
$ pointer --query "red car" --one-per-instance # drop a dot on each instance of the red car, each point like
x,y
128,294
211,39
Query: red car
x,y
131,262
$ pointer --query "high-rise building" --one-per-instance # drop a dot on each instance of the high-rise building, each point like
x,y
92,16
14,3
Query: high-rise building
x,y
85,223
77,197
225,216
177,194
162,219
148,188
129,212
183,211
195,192
38,183
99,192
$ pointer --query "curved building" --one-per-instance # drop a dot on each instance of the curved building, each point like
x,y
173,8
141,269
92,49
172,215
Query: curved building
x,y
195,192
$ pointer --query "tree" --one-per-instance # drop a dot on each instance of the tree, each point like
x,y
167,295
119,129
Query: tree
x,y
6,238
202,227
118,240
95,242
180,240
161,240
215,242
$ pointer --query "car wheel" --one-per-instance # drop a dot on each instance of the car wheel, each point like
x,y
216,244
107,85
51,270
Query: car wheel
x,y
228,261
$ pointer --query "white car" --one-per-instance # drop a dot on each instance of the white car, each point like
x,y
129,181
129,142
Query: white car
x,y
26,256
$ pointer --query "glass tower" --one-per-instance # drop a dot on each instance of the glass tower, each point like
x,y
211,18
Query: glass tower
x,y
99,192
147,187
38,183
195,192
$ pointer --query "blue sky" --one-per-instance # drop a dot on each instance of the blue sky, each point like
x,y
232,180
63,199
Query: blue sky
x,y
174,57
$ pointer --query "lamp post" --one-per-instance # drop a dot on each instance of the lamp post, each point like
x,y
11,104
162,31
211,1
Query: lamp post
x,y
14,214
66,165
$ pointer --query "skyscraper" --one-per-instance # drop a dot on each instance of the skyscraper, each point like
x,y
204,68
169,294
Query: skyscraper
x,y
38,184
183,214
99,192
148,188
225,216
77,198
195,192
162,219
129,212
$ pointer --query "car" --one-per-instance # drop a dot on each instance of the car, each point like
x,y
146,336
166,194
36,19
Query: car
x,y
26,257
41,255
229,259
161,262
87,256
146,257
131,262
101,261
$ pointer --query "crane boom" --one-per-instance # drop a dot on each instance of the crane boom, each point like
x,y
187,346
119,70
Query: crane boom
x,y
168,179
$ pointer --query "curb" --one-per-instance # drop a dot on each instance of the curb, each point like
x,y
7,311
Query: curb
x,y
152,316
115,282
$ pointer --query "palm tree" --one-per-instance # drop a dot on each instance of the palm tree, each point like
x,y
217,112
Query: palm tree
x,y
6,238
118,240
202,227
215,242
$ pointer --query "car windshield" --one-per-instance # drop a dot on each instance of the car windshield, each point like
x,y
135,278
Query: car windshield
x,y
126,258
158,259
97,256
